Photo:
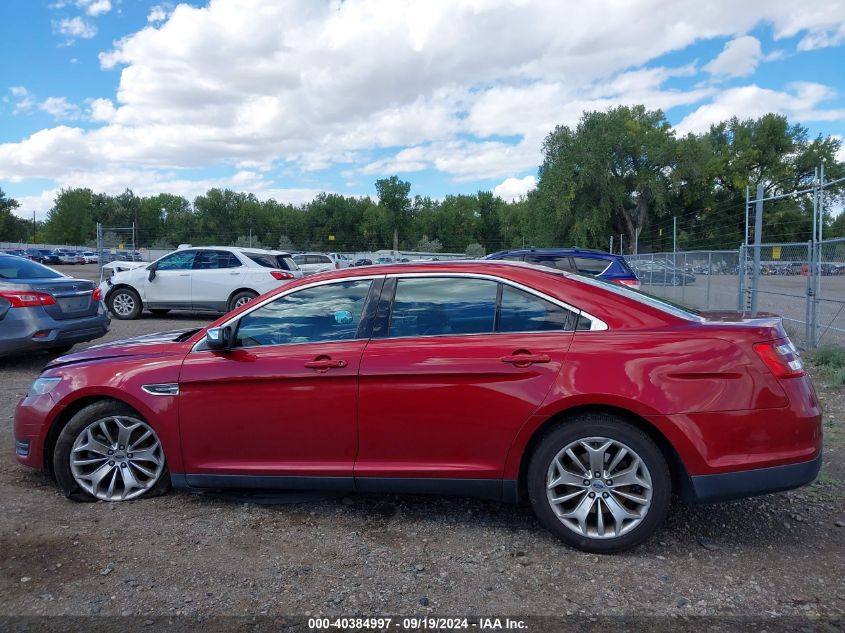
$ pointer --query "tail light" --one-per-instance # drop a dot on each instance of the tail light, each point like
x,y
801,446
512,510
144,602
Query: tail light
x,y
28,299
633,283
280,275
97,295
781,357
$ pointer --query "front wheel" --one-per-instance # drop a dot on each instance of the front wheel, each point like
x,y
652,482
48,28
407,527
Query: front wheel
x,y
599,484
108,452
124,304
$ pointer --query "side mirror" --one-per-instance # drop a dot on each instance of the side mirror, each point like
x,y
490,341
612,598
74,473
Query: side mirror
x,y
152,274
219,338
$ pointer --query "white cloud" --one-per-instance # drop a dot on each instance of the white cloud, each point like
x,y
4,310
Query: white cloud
x,y
466,87
800,102
18,91
73,28
511,189
23,100
157,14
739,58
94,7
59,107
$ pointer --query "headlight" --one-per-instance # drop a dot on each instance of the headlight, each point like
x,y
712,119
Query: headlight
x,y
44,385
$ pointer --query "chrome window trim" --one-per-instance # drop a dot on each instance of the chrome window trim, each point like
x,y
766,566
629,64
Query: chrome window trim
x,y
596,324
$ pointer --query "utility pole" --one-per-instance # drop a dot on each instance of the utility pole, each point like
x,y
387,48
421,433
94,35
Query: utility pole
x,y
611,245
675,236
821,203
621,252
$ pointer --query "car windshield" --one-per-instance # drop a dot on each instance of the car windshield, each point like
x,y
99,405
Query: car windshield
x,y
675,309
17,268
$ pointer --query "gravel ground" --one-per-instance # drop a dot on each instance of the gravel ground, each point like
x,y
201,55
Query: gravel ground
x,y
382,554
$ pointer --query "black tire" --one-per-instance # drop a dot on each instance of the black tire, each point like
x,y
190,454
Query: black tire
x,y
614,428
125,296
58,350
249,295
68,435
160,311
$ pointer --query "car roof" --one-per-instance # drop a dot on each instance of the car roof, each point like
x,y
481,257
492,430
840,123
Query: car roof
x,y
571,250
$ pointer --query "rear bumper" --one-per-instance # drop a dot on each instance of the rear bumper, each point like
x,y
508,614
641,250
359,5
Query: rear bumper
x,y
750,483
18,331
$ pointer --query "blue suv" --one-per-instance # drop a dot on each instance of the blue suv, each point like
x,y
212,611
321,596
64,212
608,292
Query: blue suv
x,y
586,261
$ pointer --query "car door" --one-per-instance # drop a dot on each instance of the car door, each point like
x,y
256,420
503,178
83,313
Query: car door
x,y
215,275
282,404
456,366
171,284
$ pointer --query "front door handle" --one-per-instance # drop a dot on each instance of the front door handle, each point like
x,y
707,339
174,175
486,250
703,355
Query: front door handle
x,y
524,359
324,363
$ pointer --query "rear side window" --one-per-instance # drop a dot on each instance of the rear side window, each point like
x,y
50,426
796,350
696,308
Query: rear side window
x,y
523,312
434,306
590,265
267,261
212,260
18,268
285,262
551,261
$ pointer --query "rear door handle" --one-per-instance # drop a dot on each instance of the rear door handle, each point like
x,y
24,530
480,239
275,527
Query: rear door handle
x,y
324,364
524,360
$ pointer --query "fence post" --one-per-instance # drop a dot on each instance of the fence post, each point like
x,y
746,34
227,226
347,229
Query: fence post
x,y
758,241
683,279
740,269
709,275
808,330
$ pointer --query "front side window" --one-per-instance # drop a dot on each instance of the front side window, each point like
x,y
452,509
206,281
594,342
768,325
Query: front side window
x,y
330,312
434,306
523,312
183,260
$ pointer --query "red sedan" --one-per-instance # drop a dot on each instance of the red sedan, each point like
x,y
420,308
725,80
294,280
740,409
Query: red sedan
x,y
496,379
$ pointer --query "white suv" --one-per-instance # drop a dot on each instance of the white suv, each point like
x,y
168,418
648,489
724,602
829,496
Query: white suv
x,y
311,263
213,278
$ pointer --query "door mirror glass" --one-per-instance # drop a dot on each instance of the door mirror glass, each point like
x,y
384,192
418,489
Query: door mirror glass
x,y
219,338
152,274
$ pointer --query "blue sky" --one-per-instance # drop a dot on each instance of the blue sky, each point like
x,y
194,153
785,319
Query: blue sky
x,y
289,98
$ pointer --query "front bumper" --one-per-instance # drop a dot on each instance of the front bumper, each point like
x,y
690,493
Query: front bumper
x,y
750,483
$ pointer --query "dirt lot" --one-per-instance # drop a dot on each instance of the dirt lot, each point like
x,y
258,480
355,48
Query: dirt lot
x,y
183,554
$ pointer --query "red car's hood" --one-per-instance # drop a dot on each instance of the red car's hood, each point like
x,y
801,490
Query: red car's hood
x,y
160,343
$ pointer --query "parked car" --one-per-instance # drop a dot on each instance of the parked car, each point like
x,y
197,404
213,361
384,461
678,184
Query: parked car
x,y
218,279
42,255
362,261
659,274
494,379
90,257
42,309
310,263
69,257
342,260
600,264
17,252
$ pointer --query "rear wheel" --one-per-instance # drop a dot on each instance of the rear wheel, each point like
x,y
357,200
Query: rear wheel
x,y
108,452
124,304
599,484
241,298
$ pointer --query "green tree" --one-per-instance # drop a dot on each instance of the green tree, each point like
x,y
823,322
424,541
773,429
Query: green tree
x,y
12,228
71,220
608,175
393,195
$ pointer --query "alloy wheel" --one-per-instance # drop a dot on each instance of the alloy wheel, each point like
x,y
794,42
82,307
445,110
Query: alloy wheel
x,y
117,458
123,304
599,487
